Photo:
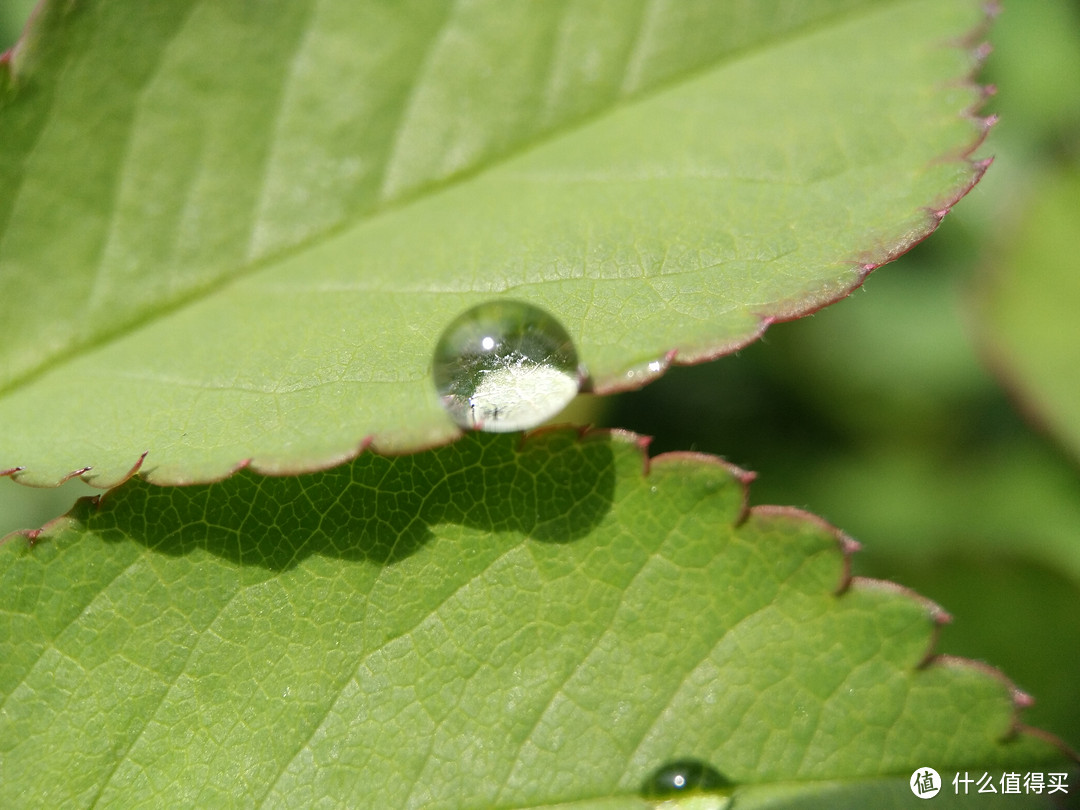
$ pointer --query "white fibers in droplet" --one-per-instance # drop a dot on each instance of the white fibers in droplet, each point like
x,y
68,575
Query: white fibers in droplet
x,y
505,366
519,396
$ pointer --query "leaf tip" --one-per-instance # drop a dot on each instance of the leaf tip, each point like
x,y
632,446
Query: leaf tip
x,y
987,122
982,52
641,442
35,536
79,473
849,545
132,471
1022,699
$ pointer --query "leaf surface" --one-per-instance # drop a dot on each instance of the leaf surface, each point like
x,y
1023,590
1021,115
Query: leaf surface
x,y
236,235
487,624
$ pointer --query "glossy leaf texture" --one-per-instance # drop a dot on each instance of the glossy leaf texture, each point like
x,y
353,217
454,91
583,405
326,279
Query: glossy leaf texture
x,y
233,234
495,623
1027,308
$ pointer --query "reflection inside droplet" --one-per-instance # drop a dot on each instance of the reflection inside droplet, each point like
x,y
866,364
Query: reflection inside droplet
x,y
684,776
504,366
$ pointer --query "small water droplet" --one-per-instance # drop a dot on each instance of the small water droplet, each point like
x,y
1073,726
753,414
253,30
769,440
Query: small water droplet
x,y
684,776
646,371
504,366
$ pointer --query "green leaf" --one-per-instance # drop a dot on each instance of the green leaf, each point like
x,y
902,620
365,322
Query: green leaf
x,y
233,234
1028,309
493,623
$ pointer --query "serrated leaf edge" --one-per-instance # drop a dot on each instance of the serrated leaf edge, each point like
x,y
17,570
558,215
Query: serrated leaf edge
x,y
846,546
861,267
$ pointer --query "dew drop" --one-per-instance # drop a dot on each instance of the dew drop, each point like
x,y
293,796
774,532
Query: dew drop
x,y
504,366
683,776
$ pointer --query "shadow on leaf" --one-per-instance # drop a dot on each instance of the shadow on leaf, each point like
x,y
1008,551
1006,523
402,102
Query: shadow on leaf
x,y
376,508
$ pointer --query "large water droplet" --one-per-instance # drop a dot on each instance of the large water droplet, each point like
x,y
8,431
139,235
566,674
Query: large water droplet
x,y
505,366
684,776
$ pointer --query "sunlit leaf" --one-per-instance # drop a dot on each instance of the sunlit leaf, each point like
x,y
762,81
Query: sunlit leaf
x,y
235,232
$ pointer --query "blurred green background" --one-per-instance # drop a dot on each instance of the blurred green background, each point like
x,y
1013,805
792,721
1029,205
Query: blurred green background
x,y
880,414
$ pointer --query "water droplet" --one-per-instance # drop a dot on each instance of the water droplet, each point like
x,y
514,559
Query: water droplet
x,y
505,366
646,371
684,776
